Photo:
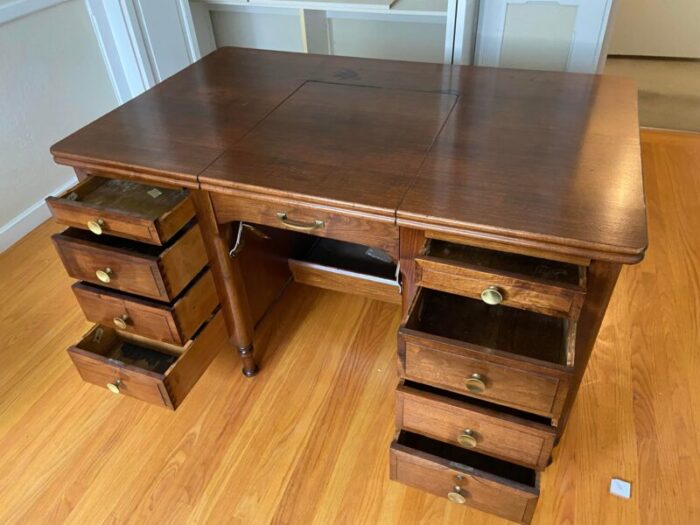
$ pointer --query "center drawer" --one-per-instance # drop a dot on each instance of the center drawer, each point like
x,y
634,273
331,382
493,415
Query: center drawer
x,y
503,355
154,372
322,221
464,477
158,272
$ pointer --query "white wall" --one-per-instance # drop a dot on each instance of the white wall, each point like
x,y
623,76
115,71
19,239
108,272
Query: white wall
x,y
53,80
669,28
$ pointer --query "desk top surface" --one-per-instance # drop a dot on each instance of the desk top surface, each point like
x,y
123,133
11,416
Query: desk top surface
x,y
535,158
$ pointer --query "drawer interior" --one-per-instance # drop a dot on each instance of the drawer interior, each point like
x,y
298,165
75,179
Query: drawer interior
x,y
466,460
511,330
476,402
120,243
523,265
351,257
130,351
126,196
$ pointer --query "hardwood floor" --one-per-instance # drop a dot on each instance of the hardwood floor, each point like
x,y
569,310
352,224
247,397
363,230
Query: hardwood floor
x,y
307,440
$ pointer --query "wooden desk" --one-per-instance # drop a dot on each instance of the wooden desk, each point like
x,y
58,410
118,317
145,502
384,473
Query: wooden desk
x,y
508,199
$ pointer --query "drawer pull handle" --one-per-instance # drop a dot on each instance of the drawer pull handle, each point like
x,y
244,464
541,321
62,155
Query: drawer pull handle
x,y
476,384
114,387
457,495
492,295
96,226
467,439
299,226
121,321
105,275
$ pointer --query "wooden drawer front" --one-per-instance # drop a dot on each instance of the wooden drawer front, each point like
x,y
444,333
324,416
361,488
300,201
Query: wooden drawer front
x,y
509,384
527,294
156,272
165,388
171,323
480,489
124,209
497,434
377,231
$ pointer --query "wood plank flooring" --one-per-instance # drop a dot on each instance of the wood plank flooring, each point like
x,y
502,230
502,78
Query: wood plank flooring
x,y
306,441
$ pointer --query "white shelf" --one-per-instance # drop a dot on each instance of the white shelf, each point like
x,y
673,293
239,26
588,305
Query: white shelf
x,y
385,7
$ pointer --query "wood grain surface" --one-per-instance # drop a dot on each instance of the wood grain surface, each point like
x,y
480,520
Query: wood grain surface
x,y
544,160
268,451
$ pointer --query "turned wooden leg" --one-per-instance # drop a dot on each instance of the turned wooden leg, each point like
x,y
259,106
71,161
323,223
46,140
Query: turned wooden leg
x,y
229,281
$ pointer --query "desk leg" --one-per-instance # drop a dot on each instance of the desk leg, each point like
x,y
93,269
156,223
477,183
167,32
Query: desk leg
x,y
229,281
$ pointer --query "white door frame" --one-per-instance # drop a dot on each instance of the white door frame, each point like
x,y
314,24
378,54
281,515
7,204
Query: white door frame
x,y
587,45
130,39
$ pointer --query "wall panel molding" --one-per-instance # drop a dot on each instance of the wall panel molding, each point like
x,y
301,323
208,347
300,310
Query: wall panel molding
x,y
20,8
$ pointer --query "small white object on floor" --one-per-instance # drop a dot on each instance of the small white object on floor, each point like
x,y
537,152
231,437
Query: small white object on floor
x,y
620,488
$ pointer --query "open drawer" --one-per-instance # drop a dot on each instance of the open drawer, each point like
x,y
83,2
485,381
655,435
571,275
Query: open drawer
x,y
174,322
124,208
506,433
154,372
504,355
521,281
348,267
158,272
465,477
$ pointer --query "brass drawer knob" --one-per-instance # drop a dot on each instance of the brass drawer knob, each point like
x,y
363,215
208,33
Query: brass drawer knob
x,y
105,275
492,295
467,438
121,321
95,226
114,387
457,495
475,383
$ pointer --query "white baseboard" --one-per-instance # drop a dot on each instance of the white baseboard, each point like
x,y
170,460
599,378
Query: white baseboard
x,y
29,219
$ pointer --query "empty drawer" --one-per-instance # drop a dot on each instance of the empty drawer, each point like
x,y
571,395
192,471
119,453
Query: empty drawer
x,y
503,355
124,209
154,372
470,423
158,272
540,285
465,477
173,323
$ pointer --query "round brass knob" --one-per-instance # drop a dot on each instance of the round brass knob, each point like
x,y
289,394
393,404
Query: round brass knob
x,y
492,295
475,383
120,322
104,275
114,387
96,226
457,496
467,439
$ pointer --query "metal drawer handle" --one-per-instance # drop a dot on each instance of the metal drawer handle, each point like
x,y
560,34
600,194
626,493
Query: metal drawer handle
x,y
114,387
457,495
299,226
105,275
96,226
475,383
121,321
492,295
467,438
